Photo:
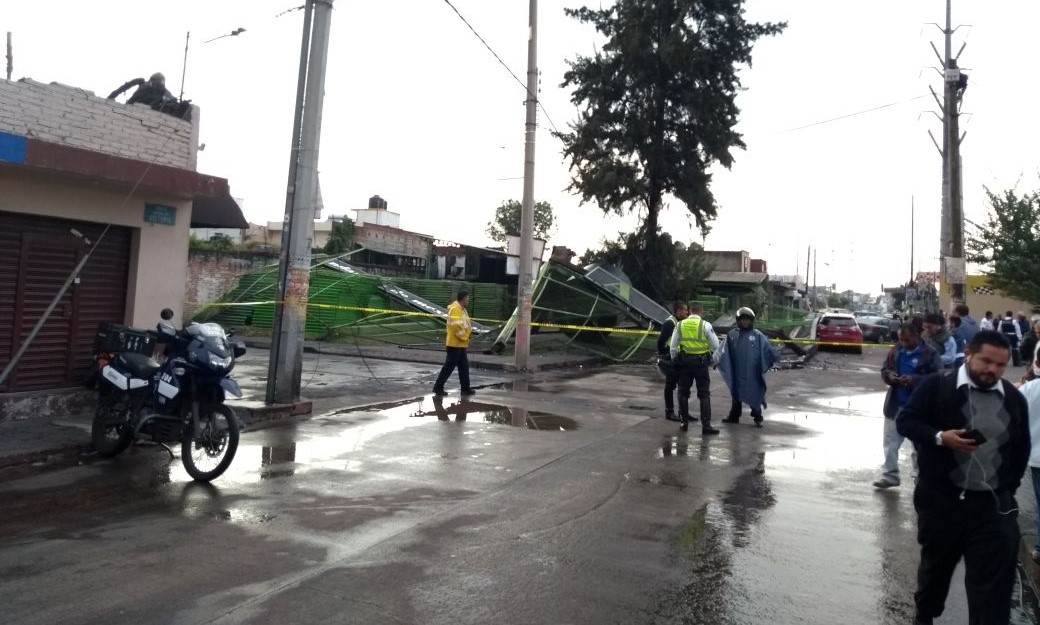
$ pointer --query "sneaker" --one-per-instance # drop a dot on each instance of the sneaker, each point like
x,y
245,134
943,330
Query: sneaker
x,y
884,483
707,429
731,420
671,416
469,391
758,421
439,392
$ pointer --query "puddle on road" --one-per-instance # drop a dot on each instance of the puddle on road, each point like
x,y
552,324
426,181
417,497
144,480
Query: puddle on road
x,y
466,409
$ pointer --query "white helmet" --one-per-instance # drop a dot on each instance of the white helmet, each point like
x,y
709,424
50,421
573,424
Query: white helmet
x,y
745,312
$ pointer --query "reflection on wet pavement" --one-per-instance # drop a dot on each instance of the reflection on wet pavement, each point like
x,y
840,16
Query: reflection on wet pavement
x,y
466,409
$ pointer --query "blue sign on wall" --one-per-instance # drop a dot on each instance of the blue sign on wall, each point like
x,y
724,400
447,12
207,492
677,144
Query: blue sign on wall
x,y
12,148
159,214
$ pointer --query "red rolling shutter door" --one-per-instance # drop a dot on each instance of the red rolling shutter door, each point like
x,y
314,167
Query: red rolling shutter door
x,y
37,254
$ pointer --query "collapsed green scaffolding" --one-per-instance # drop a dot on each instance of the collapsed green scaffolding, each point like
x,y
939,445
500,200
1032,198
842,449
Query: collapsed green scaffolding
x,y
589,314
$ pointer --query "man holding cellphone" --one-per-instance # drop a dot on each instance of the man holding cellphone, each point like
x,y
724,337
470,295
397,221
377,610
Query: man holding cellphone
x,y
971,431
907,362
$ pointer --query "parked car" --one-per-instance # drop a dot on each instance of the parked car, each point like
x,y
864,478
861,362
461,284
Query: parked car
x,y
841,329
877,329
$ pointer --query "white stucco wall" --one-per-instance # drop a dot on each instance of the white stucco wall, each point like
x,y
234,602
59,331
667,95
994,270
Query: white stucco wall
x,y
159,254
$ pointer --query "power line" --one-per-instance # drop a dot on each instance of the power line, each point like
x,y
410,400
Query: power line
x,y
857,113
503,64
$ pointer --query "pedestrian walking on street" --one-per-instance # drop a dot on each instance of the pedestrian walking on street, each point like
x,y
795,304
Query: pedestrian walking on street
x,y
908,361
968,327
664,359
1027,347
692,348
939,339
956,323
988,322
971,430
745,357
456,343
1013,333
1031,391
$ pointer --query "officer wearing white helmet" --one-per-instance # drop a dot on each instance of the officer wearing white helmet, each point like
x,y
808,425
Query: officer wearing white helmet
x,y
743,360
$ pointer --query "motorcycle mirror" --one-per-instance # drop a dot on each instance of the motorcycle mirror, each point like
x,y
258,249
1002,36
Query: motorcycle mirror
x,y
166,314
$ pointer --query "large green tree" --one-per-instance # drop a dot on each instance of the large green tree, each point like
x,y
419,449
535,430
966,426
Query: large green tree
x,y
657,106
341,239
688,266
1007,243
507,220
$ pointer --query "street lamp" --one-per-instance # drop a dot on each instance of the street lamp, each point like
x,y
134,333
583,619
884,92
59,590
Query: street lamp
x,y
187,40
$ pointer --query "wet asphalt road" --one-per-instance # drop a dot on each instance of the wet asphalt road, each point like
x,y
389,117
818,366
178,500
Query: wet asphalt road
x,y
557,501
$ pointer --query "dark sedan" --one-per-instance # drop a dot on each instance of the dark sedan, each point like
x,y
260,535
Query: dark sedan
x,y
876,329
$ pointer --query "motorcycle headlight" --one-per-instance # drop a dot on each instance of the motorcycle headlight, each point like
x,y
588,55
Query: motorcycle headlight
x,y
217,362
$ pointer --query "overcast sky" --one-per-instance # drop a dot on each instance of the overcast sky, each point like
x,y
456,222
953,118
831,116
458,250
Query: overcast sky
x,y
418,111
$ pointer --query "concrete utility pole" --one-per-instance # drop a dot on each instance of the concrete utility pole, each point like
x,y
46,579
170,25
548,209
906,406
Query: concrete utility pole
x,y
10,56
286,367
524,285
951,241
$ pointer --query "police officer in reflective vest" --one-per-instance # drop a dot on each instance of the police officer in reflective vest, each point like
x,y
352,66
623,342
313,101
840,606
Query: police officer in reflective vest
x,y
693,345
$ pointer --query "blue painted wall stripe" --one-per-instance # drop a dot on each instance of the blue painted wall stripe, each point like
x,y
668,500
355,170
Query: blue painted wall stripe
x,y
12,148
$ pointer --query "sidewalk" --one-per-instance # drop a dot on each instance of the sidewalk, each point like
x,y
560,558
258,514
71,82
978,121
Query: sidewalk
x,y
334,378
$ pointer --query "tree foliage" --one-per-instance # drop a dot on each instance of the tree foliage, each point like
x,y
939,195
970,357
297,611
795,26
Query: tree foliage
x,y
219,242
507,220
686,267
657,105
1008,244
341,239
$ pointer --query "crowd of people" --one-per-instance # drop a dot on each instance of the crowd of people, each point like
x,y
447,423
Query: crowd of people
x,y
974,435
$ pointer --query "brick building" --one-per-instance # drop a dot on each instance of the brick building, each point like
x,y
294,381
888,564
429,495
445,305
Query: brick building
x,y
86,176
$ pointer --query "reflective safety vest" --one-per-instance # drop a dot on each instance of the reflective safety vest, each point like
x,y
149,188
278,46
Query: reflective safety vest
x,y
692,340
675,322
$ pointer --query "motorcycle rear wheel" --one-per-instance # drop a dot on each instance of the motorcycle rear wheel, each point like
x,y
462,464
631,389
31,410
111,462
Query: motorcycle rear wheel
x,y
109,439
206,454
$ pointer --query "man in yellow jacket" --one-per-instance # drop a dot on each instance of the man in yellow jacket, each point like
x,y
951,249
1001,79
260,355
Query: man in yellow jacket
x,y
456,342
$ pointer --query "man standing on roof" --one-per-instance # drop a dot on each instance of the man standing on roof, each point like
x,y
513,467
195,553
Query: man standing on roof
x,y
456,343
745,357
692,346
664,359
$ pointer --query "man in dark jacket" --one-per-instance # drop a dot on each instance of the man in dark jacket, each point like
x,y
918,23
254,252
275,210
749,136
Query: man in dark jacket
x,y
971,431
1013,333
664,359
969,327
906,364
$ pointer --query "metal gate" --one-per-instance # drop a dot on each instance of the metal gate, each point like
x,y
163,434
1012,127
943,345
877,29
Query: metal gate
x,y
37,254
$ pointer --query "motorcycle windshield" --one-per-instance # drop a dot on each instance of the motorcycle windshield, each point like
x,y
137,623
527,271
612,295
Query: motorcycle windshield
x,y
212,337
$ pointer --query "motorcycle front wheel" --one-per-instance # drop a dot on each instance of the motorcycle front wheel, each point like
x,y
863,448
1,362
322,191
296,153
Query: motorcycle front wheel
x,y
208,451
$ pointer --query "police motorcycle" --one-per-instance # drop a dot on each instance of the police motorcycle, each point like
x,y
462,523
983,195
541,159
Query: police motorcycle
x,y
179,400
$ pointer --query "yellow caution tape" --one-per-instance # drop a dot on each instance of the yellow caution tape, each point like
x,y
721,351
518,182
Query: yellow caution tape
x,y
537,324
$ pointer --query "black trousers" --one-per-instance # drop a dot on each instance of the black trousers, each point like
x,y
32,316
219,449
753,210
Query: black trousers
x,y
454,357
1016,356
693,369
671,381
949,528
